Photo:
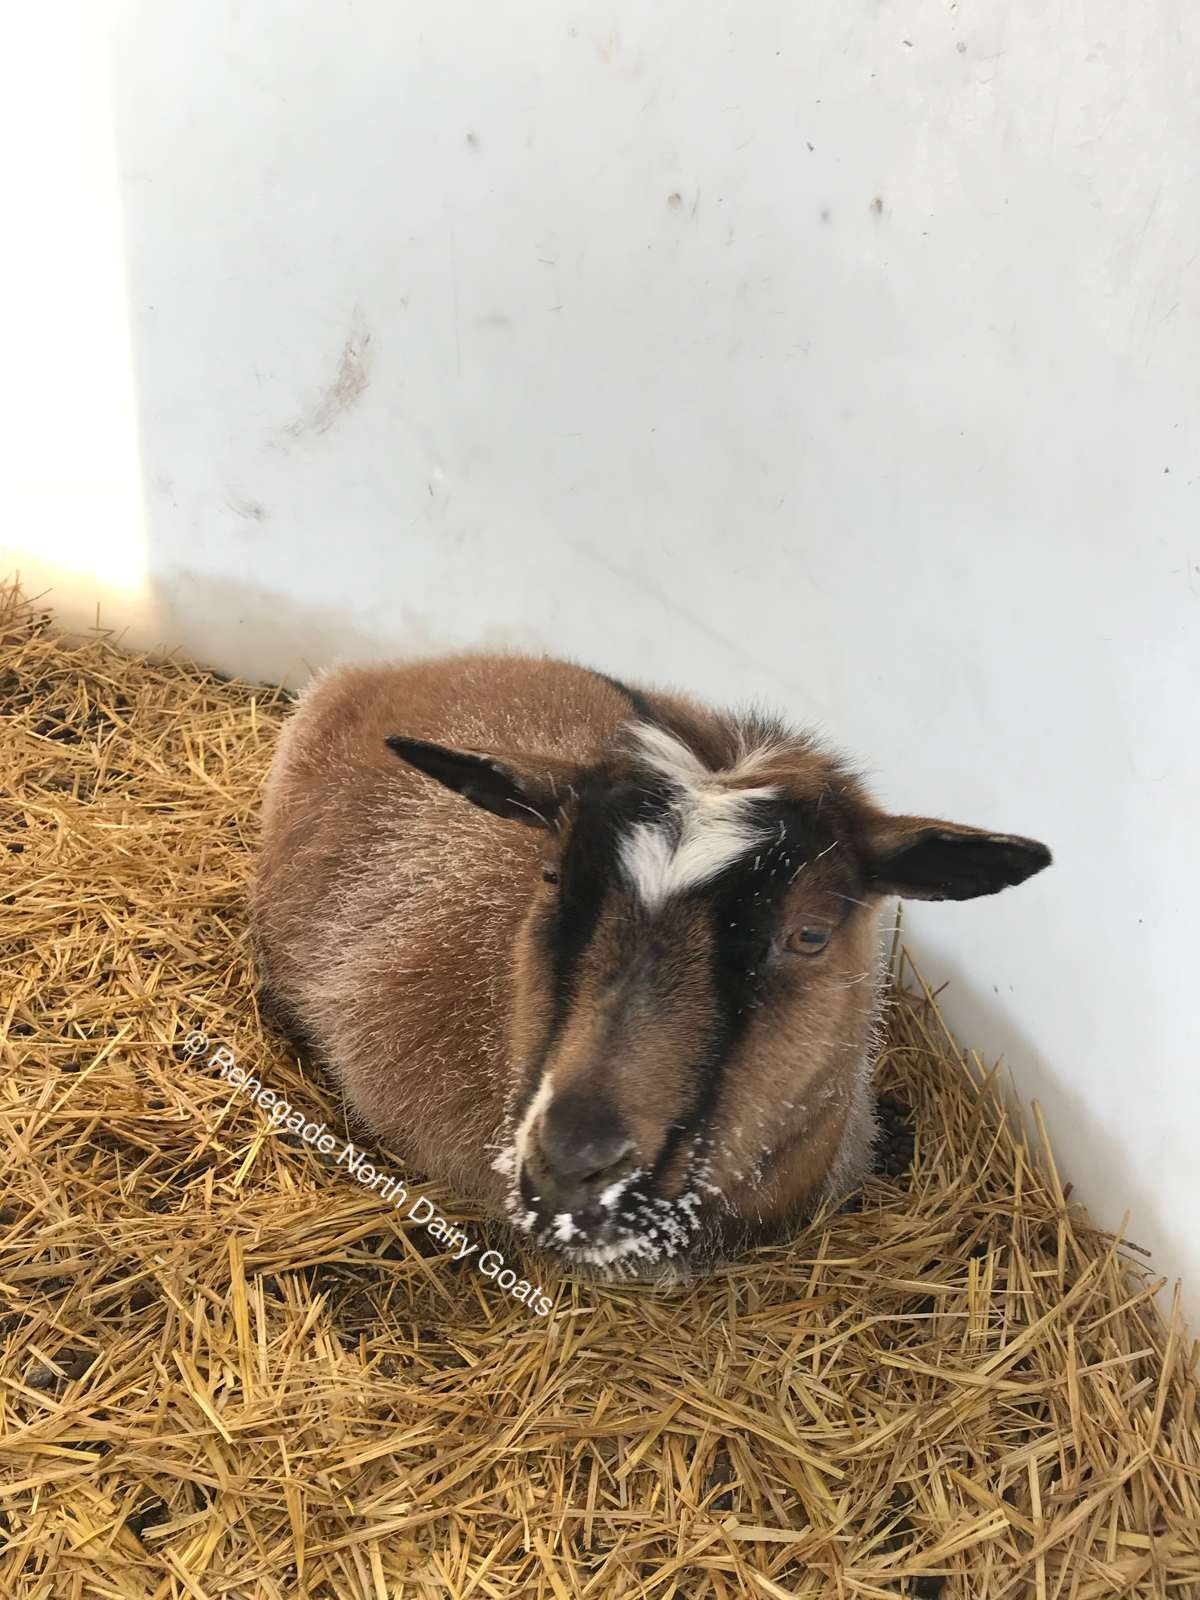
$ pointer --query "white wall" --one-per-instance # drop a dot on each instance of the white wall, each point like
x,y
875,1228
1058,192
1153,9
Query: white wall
x,y
841,356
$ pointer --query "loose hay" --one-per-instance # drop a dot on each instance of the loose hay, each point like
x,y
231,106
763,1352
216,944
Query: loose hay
x,y
229,1371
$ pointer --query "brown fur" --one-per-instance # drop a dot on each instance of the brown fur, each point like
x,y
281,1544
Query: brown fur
x,y
406,929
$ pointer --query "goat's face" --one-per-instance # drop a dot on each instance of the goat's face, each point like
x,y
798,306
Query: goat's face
x,y
695,982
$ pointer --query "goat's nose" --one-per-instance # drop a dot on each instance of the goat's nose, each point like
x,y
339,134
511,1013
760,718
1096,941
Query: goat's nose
x,y
581,1137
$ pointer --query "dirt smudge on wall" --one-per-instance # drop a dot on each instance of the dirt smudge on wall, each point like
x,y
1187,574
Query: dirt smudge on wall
x,y
353,377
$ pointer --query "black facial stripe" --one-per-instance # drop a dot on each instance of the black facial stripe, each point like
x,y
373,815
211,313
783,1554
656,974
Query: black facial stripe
x,y
608,809
749,896
747,905
711,1075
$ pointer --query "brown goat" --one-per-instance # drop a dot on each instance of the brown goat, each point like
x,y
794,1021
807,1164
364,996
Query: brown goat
x,y
638,1026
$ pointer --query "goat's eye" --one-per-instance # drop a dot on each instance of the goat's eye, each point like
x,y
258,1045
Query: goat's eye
x,y
808,940
549,875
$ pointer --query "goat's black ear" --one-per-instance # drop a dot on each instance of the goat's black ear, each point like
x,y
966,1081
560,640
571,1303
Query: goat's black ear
x,y
921,858
485,782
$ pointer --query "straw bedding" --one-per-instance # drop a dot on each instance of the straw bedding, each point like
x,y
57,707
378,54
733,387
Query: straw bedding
x,y
229,1371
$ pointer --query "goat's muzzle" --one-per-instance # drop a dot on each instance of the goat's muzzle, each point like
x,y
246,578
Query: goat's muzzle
x,y
579,1150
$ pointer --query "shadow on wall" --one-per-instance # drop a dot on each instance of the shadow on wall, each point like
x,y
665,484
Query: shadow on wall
x,y
980,1023
254,632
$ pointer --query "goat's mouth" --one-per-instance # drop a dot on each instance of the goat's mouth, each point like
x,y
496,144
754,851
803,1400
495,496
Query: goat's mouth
x,y
621,1227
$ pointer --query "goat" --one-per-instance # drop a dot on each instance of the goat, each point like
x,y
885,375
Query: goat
x,y
624,997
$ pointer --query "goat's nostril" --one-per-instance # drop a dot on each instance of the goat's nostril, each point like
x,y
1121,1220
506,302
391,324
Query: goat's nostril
x,y
590,1159
582,1137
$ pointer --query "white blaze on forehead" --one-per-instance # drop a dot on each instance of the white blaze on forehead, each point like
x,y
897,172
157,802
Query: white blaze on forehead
x,y
708,827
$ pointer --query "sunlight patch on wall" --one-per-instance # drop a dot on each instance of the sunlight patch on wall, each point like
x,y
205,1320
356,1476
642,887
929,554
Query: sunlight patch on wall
x,y
71,508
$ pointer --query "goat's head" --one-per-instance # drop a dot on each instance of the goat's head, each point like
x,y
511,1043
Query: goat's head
x,y
696,977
